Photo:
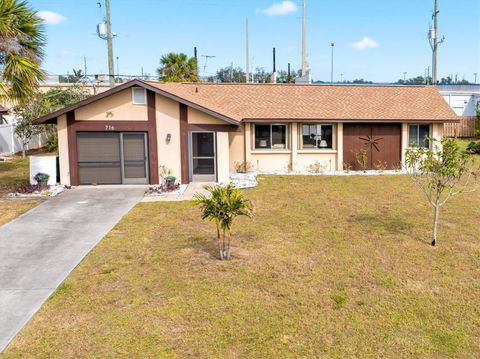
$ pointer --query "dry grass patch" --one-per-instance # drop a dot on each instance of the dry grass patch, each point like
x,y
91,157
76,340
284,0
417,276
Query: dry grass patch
x,y
329,267
10,173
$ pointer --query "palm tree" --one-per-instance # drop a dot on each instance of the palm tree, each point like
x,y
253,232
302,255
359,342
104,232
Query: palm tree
x,y
221,206
178,68
21,50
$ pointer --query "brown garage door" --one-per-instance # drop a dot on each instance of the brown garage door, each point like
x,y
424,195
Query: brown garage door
x,y
112,158
382,143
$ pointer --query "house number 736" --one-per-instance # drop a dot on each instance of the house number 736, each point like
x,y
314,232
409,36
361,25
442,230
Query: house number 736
x,y
109,128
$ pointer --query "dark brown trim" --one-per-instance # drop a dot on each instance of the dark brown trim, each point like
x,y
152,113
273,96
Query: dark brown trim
x,y
149,126
214,128
52,117
327,120
72,148
152,137
184,142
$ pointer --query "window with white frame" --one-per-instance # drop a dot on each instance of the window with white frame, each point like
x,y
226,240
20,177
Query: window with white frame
x,y
316,136
418,135
270,136
139,96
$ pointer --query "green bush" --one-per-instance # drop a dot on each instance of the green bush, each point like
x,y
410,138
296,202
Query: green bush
x,y
474,147
52,143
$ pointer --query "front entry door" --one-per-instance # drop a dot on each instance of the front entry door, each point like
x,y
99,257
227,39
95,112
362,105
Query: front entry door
x,y
203,162
134,150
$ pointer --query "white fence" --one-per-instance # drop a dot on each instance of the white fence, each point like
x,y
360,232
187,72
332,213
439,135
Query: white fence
x,y
9,142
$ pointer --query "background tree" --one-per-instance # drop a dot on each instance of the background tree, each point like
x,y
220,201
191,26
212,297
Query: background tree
x,y
361,81
78,76
441,172
21,50
418,80
41,104
229,74
222,206
261,76
178,68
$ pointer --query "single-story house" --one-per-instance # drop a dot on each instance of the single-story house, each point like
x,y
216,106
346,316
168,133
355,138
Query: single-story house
x,y
202,131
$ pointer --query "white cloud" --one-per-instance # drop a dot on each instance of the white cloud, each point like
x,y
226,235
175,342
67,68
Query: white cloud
x,y
50,17
365,43
281,8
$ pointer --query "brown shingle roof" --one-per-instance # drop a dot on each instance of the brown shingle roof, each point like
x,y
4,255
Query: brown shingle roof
x,y
315,102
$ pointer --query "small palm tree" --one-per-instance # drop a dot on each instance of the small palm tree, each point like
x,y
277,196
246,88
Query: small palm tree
x,y
222,206
178,68
21,50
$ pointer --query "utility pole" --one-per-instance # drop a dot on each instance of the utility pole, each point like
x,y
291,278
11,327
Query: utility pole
x,y
247,64
111,76
434,43
274,72
196,59
304,38
288,73
475,74
85,66
331,72
118,71
404,77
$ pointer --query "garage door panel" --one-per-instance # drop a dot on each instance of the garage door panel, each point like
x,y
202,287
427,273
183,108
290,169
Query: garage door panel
x,y
100,173
112,157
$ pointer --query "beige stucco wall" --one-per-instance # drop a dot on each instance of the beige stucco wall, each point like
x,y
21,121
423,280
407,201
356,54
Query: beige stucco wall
x,y
223,154
292,158
168,122
117,107
63,150
236,154
198,117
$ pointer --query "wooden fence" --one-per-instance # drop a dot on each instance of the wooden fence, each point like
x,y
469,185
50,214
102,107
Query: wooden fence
x,y
465,128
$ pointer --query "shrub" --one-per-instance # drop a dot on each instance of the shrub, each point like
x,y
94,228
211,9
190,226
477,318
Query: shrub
x,y
361,156
474,147
52,143
317,167
243,167
41,177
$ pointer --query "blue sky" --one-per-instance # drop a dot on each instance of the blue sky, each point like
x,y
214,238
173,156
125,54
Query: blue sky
x,y
396,32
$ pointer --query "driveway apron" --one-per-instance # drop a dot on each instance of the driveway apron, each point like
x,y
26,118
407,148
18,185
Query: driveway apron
x,y
39,249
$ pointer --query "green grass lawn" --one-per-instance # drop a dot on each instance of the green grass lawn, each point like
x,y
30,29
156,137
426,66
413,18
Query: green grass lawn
x,y
336,267
12,172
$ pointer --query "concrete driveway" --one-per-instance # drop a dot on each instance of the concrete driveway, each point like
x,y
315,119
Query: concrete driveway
x,y
40,248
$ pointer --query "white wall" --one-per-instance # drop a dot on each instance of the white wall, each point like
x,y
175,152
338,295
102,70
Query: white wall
x,y
463,104
9,142
43,164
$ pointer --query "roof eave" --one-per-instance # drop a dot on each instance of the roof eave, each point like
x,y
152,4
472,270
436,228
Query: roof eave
x,y
337,120
52,117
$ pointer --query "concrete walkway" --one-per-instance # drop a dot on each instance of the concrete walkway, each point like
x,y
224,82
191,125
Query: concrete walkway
x,y
40,248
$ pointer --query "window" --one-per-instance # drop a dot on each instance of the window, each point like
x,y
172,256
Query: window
x,y
316,136
418,135
139,96
270,136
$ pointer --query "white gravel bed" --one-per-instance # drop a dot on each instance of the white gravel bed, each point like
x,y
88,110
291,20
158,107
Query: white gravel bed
x,y
52,191
249,180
